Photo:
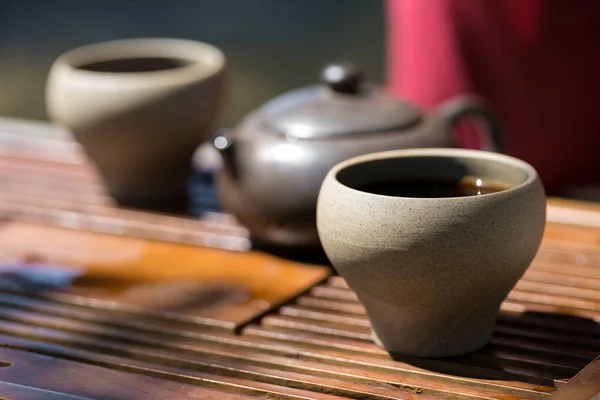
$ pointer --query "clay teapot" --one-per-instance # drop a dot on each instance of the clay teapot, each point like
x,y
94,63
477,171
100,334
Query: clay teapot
x,y
275,159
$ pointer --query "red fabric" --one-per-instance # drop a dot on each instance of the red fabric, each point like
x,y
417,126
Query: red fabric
x,y
537,61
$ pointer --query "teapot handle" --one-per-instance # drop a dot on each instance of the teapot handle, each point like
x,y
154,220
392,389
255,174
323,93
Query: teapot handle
x,y
455,110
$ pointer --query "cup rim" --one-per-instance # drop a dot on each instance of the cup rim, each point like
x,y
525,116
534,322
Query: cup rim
x,y
207,60
531,173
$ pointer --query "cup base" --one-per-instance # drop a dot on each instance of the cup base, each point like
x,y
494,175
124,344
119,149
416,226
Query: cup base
x,y
464,347
173,205
162,198
164,191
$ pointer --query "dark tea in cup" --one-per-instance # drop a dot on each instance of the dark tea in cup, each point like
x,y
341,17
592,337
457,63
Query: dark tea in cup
x,y
431,241
136,64
467,186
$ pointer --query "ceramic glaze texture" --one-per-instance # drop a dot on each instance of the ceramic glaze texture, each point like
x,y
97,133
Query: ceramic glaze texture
x,y
140,108
275,160
431,272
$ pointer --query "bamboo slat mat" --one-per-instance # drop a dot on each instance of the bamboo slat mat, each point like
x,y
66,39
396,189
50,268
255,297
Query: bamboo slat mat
x,y
314,346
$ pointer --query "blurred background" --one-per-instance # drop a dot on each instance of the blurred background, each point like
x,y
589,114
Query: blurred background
x,y
272,45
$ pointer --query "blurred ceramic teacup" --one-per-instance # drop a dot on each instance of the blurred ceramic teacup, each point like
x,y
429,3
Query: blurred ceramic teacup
x,y
140,107
431,241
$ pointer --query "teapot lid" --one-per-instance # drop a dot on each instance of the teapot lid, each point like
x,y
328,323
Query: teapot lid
x,y
344,104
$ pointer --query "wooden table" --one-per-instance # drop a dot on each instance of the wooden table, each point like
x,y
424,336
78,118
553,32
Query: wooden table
x,y
258,325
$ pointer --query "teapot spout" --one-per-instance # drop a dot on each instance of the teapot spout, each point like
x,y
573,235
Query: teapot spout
x,y
224,144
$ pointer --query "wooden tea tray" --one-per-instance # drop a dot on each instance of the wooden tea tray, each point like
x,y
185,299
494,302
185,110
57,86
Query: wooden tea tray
x,y
296,335
166,283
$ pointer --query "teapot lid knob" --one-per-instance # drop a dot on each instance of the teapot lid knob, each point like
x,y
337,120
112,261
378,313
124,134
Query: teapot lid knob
x,y
343,77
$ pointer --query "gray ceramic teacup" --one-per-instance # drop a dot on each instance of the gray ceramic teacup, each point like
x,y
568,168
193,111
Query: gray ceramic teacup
x,y
431,272
140,107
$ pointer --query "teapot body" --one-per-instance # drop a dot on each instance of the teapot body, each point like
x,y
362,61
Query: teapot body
x,y
271,182
276,159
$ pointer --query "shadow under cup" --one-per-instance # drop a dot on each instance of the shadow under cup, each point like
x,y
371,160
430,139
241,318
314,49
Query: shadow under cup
x,y
431,271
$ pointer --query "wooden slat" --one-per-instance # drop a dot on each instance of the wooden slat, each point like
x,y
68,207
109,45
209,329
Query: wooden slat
x,y
503,336
341,351
12,391
316,346
247,363
188,367
101,335
584,386
529,342
574,212
106,377
67,192
569,366
160,283
147,226
38,142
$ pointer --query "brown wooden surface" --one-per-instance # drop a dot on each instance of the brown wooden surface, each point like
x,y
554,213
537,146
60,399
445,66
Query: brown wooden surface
x,y
189,284
585,385
100,339
48,180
